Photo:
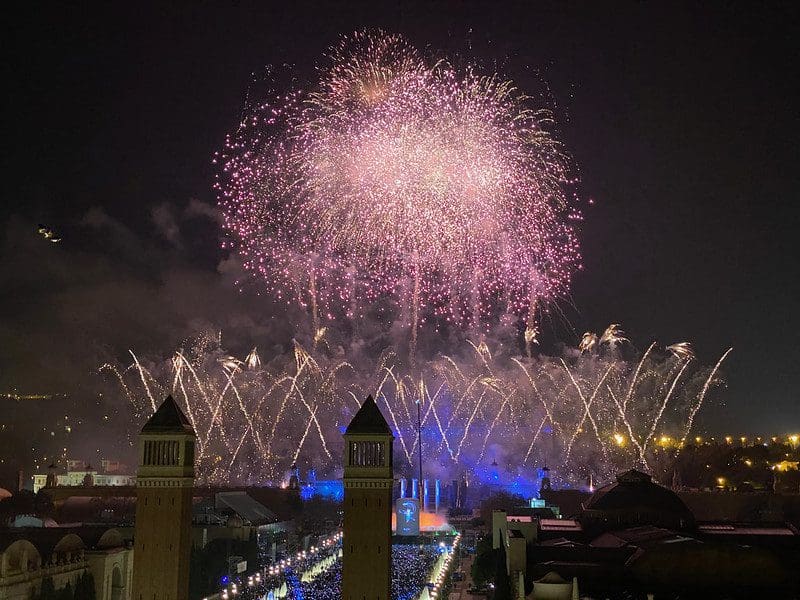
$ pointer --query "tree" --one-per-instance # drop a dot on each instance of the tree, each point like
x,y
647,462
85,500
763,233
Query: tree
x,y
484,566
65,593
84,588
502,582
47,590
500,501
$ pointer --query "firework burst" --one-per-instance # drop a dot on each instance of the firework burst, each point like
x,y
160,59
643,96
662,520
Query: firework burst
x,y
586,413
437,189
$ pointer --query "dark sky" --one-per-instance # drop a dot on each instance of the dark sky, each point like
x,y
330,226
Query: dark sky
x,y
683,119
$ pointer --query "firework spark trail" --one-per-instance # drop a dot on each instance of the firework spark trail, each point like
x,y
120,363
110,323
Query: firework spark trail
x,y
144,383
635,377
397,428
439,423
462,399
115,371
491,427
250,426
469,422
189,408
313,417
627,424
587,408
286,397
236,452
400,395
701,397
485,398
215,417
664,404
431,410
533,441
415,301
303,438
536,390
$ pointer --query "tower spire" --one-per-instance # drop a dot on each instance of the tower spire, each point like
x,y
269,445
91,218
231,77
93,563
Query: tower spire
x,y
164,482
368,481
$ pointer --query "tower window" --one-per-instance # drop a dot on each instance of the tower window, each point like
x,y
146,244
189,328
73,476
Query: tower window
x,y
367,454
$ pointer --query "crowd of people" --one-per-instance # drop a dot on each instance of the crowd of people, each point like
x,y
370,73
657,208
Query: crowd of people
x,y
326,586
411,569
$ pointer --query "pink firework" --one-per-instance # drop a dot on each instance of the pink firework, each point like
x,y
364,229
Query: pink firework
x,y
440,190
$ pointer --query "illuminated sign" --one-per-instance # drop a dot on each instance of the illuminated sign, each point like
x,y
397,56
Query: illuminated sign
x,y
407,512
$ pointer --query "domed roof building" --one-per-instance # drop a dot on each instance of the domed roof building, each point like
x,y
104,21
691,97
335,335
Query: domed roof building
x,y
632,501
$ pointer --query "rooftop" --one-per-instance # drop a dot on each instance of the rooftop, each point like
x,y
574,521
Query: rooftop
x,y
368,420
169,418
634,493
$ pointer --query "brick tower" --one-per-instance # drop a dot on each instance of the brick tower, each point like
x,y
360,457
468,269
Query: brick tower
x,y
164,481
367,544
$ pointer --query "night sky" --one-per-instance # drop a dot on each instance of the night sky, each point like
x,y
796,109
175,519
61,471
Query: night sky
x,y
683,122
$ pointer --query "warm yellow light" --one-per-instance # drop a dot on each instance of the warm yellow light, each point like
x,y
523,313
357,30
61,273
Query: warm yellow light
x,y
721,481
794,438
619,439
748,462
664,439
698,440
728,439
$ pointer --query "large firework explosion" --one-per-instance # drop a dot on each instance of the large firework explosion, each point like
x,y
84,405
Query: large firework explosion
x,y
400,196
436,190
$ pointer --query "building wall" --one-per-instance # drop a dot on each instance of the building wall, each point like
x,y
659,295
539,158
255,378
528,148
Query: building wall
x,y
516,555
367,543
162,543
75,479
110,568
112,571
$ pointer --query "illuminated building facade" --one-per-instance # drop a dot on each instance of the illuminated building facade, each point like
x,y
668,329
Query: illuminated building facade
x,y
79,477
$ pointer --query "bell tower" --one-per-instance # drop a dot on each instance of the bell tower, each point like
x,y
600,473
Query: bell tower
x,y
367,543
164,482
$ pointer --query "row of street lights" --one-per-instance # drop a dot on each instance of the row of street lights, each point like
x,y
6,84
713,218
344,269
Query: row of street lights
x,y
232,590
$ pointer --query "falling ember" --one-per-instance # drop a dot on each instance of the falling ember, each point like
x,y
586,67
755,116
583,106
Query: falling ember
x,y
437,189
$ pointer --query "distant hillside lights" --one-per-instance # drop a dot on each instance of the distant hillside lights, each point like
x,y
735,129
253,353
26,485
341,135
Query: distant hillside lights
x,y
666,441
